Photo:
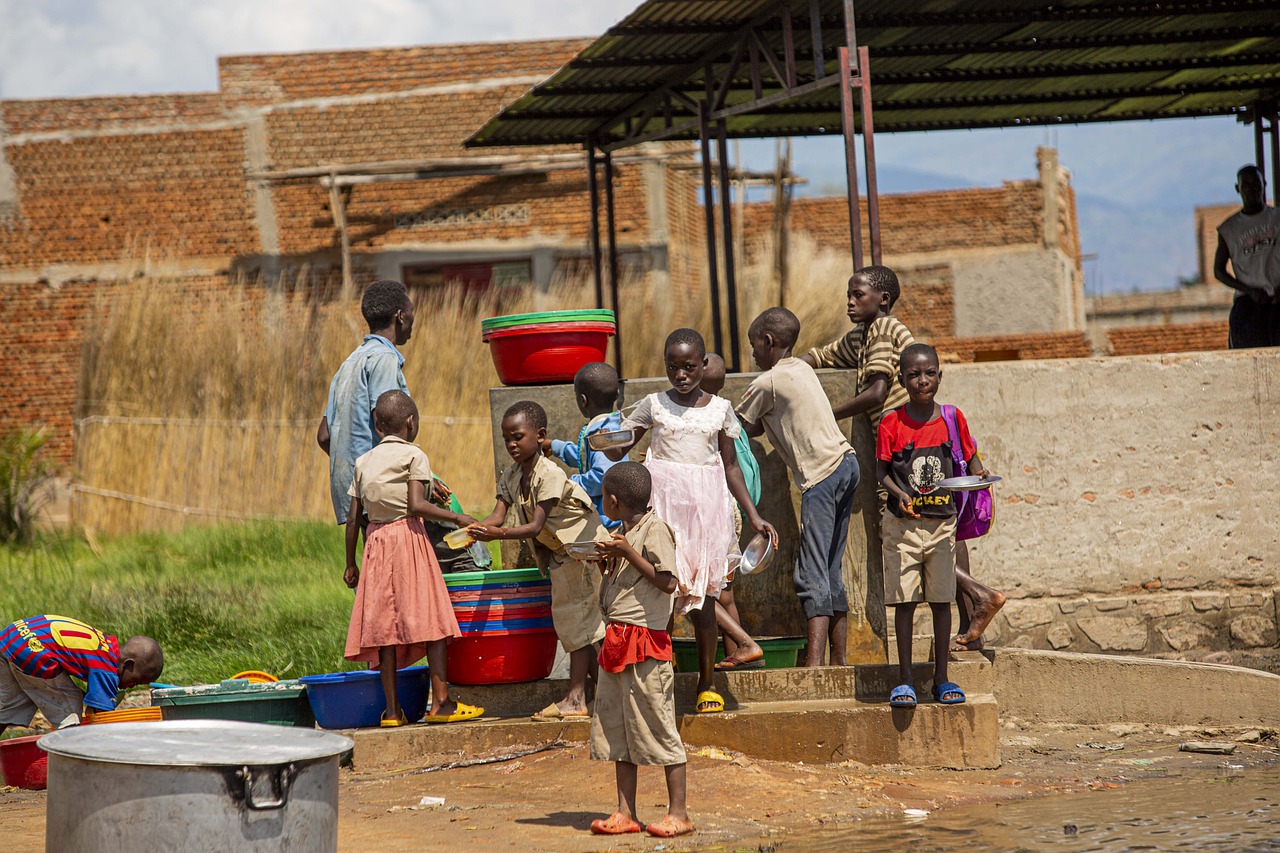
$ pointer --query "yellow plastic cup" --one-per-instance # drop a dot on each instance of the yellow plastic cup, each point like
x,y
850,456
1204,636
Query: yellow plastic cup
x,y
458,539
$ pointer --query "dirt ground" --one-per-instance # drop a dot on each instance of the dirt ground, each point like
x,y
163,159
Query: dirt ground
x,y
545,801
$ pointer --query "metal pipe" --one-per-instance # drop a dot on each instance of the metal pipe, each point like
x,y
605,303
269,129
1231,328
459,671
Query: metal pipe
x,y
709,211
1259,157
815,34
869,153
1275,159
850,157
850,31
733,359
613,262
593,190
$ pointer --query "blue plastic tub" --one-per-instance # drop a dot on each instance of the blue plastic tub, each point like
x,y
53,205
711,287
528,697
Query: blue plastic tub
x,y
353,700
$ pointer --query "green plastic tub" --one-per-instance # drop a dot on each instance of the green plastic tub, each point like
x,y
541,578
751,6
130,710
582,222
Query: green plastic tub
x,y
498,577
280,703
779,652
582,315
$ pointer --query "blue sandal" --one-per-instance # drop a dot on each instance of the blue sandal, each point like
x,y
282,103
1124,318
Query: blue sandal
x,y
948,688
903,696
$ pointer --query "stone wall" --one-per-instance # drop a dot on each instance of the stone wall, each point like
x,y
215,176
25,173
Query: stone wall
x,y
1136,513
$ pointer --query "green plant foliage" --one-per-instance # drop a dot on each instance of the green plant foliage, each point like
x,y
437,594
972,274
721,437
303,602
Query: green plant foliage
x,y
23,474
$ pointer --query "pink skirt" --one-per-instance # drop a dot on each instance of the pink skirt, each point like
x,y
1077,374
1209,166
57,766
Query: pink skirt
x,y
401,599
695,501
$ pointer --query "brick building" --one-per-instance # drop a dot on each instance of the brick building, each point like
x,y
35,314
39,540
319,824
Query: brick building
x,y
207,188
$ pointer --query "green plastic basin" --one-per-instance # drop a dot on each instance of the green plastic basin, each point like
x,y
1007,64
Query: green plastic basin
x,y
493,578
578,315
779,652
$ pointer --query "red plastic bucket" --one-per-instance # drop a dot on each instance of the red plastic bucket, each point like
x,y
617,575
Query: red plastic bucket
x,y
536,355
23,763
502,657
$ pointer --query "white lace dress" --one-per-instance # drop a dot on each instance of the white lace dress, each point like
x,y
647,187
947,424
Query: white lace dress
x,y
689,489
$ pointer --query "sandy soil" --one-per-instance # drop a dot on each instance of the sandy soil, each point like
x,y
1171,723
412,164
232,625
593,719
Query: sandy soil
x,y
546,801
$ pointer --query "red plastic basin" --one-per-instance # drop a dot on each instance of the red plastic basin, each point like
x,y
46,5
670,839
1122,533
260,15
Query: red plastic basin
x,y
24,764
539,355
502,657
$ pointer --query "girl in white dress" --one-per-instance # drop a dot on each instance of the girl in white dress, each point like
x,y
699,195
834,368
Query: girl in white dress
x,y
695,481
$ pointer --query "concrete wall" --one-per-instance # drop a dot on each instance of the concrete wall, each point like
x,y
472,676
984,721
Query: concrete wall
x,y
1136,514
1012,291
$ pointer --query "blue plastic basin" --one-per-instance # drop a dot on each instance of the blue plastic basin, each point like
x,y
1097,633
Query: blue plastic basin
x,y
352,700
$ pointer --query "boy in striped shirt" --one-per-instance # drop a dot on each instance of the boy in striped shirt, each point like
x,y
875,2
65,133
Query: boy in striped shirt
x,y
872,348
40,655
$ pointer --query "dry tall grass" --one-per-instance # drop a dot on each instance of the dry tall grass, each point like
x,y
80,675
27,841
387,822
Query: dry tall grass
x,y
199,404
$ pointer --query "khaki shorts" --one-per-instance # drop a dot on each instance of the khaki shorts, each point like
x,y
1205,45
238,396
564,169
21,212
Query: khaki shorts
x,y
919,559
575,606
21,695
635,716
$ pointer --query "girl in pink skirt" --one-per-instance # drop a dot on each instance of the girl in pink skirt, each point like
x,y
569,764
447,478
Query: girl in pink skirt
x,y
695,480
402,609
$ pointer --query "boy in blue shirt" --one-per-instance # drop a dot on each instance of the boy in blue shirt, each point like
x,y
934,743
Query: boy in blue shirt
x,y
346,429
595,387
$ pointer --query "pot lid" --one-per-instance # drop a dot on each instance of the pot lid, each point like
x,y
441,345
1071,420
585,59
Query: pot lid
x,y
194,743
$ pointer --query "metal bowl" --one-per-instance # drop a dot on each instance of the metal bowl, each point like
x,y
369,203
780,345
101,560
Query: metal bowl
x,y
584,550
757,556
610,440
968,483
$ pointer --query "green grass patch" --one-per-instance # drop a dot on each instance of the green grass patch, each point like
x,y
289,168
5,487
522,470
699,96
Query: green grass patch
x,y
219,600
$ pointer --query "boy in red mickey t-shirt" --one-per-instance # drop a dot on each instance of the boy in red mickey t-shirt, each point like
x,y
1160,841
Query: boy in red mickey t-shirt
x,y
918,528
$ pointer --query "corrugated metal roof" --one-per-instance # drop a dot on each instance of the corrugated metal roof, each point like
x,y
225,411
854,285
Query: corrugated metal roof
x,y
934,64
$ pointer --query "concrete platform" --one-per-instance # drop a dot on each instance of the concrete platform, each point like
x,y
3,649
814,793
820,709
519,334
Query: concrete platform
x,y
826,714
958,737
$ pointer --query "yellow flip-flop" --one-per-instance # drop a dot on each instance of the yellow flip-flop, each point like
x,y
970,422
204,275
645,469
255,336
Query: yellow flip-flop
x,y
464,712
710,702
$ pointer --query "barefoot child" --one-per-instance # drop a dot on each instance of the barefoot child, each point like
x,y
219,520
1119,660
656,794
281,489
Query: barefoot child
x,y
553,511
918,528
787,402
747,655
39,655
402,609
595,388
695,481
635,718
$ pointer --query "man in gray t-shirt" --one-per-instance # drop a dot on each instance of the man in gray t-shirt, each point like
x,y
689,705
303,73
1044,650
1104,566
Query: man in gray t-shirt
x,y
1249,239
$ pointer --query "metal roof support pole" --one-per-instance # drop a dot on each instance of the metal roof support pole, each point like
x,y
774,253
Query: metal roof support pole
x,y
733,359
1259,153
850,157
339,210
1275,158
593,190
869,153
613,262
709,211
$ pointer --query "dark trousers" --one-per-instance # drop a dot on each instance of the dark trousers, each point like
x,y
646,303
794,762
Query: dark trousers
x,y
824,526
1254,324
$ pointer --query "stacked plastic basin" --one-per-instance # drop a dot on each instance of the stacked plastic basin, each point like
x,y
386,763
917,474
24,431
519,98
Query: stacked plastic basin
x,y
505,617
547,346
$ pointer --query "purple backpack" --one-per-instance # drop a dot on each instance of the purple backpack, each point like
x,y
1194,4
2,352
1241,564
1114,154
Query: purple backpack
x,y
974,510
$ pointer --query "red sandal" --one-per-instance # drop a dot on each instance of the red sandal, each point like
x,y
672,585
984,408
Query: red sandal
x,y
615,824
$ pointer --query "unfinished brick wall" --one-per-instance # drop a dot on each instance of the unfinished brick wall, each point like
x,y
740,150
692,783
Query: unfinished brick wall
x,y
1171,337
1012,347
1208,219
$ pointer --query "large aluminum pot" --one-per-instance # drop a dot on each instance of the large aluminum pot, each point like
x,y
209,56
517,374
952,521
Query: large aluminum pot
x,y
194,786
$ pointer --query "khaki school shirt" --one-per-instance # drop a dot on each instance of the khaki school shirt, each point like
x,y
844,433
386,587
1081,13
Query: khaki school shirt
x,y
626,595
572,519
382,478
871,350
789,401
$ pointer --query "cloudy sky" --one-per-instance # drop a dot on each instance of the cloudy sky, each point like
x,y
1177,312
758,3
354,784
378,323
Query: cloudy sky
x,y
1136,183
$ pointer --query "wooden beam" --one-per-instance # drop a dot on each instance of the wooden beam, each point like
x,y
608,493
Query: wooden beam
x,y
339,210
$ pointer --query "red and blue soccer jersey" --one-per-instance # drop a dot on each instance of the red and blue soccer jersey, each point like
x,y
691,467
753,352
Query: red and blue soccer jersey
x,y
45,646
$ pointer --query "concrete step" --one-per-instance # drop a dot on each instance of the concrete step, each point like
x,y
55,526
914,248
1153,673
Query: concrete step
x,y
416,746
970,670
829,731
956,737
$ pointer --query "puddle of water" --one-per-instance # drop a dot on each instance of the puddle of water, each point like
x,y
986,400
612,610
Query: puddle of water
x,y
1223,810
